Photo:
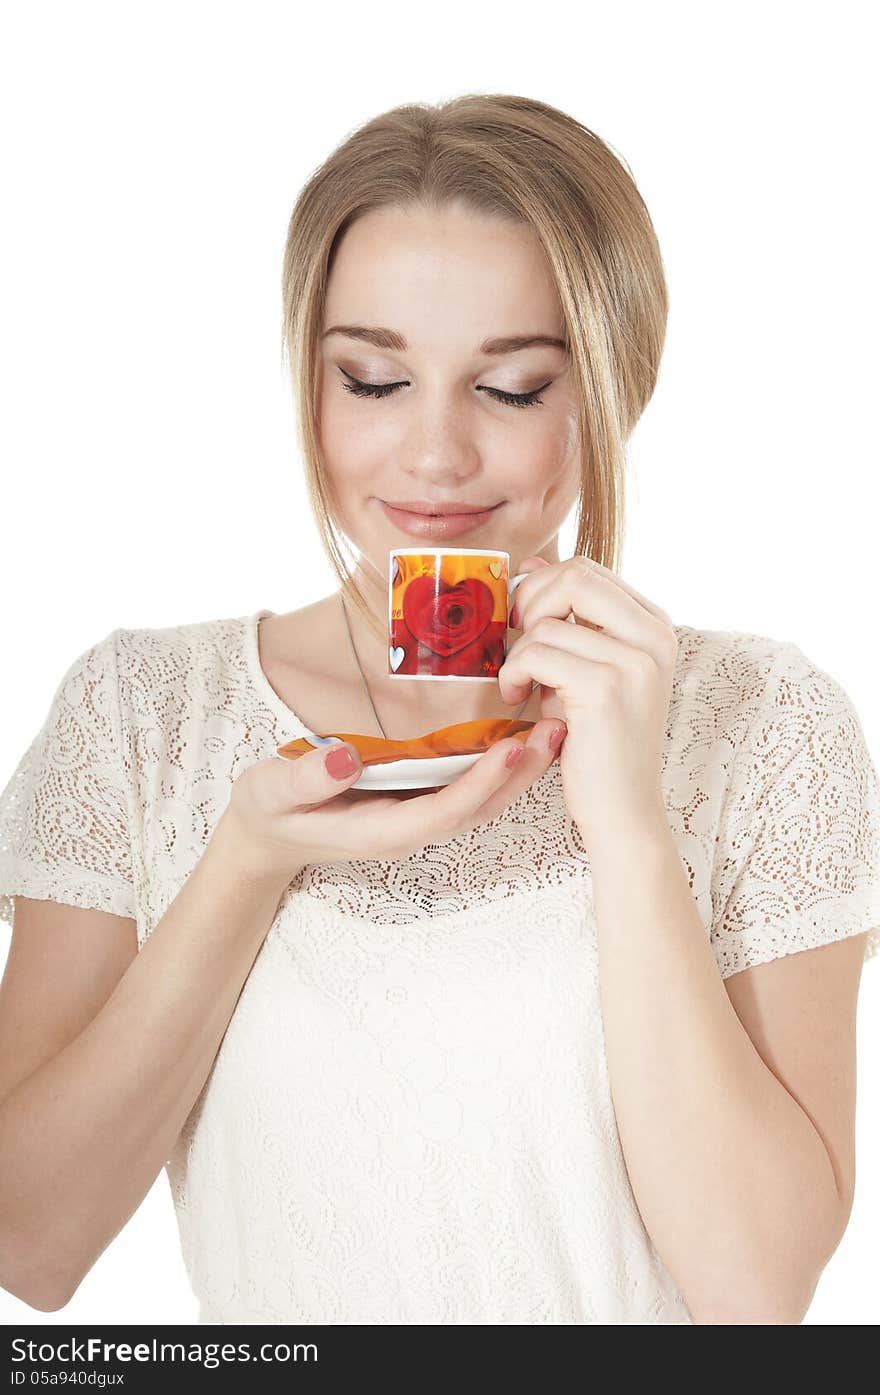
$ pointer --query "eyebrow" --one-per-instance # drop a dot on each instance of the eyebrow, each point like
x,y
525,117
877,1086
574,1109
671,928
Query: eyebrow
x,y
390,339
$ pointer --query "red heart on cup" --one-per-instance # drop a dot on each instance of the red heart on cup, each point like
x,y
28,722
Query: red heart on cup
x,y
447,618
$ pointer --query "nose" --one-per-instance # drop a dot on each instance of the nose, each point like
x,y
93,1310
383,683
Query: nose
x,y
439,447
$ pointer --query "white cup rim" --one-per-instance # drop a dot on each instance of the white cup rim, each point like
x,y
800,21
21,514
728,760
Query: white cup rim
x,y
446,552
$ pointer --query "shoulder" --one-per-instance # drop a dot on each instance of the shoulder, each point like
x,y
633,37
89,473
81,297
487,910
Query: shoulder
x,y
174,681
739,698
166,655
726,674
738,675
758,720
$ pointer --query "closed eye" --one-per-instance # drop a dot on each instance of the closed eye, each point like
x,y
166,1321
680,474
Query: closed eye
x,y
511,399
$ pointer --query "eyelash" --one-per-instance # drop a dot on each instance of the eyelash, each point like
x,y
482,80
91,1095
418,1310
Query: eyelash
x,y
511,399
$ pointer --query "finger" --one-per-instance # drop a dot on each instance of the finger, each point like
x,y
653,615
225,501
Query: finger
x,y
530,589
417,793
560,663
453,807
322,774
525,587
578,588
592,597
613,577
589,564
537,757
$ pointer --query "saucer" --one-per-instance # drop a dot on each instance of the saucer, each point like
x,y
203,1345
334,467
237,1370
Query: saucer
x,y
421,774
424,774
384,768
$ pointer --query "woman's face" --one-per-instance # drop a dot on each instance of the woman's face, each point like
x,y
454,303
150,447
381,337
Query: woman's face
x,y
420,293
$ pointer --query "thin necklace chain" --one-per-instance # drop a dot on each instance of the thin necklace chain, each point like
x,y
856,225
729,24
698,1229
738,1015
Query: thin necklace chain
x,y
367,686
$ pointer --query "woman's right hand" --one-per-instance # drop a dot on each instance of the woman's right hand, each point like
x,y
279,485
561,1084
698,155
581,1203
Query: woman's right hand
x,y
284,814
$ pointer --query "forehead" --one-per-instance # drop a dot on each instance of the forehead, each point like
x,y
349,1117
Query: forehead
x,y
402,268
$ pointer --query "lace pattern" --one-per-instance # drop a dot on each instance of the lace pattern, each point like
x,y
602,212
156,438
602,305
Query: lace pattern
x,y
415,1125
800,829
409,1118
64,831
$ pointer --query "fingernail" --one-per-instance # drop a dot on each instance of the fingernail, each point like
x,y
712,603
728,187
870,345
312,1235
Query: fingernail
x,y
514,755
340,763
514,618
556,738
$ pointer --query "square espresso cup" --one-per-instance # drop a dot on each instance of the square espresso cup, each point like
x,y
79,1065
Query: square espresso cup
x,y
448,612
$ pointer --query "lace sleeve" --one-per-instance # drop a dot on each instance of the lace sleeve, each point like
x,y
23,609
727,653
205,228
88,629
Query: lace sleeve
x,y
798,856
64,832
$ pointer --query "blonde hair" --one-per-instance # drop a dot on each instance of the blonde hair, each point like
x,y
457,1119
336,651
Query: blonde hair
x,y
511,157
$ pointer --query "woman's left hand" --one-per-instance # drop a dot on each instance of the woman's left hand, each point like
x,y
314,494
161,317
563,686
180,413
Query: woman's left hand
x,y
611,685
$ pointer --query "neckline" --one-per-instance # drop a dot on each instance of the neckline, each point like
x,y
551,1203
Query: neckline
x,y
259,679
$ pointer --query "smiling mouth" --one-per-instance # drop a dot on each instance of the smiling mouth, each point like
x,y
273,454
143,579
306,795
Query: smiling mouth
x,y
443,511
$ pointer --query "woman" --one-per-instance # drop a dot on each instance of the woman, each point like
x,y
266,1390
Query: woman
x,y
538,1046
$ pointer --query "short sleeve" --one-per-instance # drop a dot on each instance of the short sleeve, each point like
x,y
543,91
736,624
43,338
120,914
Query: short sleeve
x,y
64,829
798,857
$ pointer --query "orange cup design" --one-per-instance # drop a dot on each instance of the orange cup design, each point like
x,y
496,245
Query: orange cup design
x,y
448,613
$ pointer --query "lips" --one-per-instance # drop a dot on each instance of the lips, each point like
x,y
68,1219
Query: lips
x,y
442,527
425,508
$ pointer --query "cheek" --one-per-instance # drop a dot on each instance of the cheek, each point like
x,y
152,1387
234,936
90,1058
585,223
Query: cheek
x,y
550,458
351,437
345,445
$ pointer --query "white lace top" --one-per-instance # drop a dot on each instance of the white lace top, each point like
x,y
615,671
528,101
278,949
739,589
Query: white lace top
x,y
409,1119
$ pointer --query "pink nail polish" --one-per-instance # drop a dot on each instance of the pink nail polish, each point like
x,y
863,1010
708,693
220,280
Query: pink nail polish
x,y
513,756
340,763
556,737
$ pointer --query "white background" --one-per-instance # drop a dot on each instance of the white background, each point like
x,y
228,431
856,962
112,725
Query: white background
x,y
152,155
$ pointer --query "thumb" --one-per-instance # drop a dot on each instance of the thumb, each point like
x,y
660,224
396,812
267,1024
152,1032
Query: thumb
x,y
342,762
320,774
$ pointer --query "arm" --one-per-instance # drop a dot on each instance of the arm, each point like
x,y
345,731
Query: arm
x,y
734,1182
83,1137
